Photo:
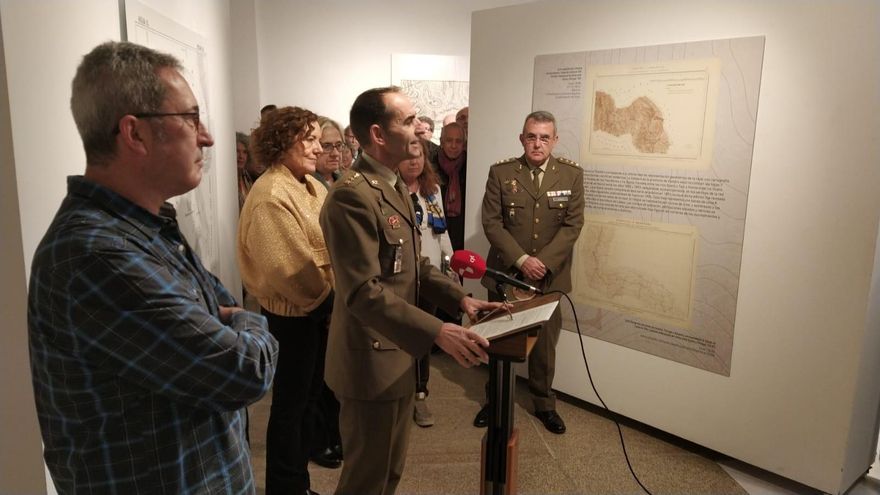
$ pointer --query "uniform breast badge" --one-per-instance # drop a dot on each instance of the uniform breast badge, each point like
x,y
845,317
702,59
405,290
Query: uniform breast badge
x,y
561,196
394,221
512,186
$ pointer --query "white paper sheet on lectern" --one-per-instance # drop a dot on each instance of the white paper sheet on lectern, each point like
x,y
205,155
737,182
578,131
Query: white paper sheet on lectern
x,y
521,319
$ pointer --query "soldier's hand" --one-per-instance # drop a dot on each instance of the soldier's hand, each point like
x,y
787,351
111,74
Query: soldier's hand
x,y
533,268
472,306
462,344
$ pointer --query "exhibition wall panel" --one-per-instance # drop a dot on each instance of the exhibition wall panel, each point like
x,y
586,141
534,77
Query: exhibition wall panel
x,y
802,396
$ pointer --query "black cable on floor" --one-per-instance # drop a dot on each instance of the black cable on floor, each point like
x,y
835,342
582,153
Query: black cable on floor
x,y
590,376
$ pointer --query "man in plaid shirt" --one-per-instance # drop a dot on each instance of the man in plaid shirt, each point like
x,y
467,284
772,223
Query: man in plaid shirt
x,y
142,362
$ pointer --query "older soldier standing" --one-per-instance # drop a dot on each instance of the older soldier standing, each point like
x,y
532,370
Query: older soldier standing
x,y
533,211
142,362
376,327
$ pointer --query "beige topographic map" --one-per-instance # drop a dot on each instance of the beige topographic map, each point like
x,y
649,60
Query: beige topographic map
x,y
642,120
660,114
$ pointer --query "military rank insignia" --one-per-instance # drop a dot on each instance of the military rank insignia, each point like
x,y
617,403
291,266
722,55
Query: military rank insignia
x,y
351,178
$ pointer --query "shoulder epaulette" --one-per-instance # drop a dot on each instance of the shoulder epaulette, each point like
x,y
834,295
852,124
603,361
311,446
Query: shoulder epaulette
x,y
506,160
353,179
566,161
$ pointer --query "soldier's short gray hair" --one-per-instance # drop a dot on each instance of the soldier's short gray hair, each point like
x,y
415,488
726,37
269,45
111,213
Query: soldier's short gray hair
x,y
541,116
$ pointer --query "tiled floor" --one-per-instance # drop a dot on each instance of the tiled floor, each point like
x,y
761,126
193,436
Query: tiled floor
x,y
444,459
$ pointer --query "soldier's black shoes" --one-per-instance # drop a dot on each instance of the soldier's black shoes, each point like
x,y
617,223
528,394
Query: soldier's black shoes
x,y
552,421
327,458
482,418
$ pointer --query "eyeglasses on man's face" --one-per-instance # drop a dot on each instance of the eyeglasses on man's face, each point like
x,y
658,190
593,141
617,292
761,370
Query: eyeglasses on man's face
x,y
194,118
328,147
534,138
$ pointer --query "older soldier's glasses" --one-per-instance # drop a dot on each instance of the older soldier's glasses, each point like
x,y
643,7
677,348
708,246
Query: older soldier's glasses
x,y
534,138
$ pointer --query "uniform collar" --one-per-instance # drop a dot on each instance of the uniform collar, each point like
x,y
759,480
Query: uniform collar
x,y
543,166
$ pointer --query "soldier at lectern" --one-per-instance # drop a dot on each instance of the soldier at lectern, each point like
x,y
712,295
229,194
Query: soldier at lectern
x,y
373,240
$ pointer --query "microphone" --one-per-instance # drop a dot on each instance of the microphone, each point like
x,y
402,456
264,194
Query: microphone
x,y
469,264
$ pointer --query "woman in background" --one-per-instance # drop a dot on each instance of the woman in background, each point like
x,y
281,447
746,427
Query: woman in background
x,y
326,448
248,169
328,168
424,186
347,158
284,263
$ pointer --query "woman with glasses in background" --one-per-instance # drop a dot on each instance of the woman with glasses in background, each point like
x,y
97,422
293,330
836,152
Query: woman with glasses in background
x,y
323,415
328,168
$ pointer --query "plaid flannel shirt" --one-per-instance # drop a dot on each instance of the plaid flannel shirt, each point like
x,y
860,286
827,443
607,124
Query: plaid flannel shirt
x,y
139,386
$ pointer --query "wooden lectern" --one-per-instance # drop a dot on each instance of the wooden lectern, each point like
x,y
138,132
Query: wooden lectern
x,y
499,456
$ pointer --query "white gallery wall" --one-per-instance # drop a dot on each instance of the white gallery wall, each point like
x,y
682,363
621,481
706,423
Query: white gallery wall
x,y
803,396
43,42
21,466
321,55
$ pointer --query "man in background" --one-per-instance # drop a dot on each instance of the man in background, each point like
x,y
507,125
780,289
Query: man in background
x,y
424,131
352,142
461,118
533,212
142,361
451,164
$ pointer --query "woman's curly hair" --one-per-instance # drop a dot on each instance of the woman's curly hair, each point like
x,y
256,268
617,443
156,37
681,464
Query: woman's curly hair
x,y
278,131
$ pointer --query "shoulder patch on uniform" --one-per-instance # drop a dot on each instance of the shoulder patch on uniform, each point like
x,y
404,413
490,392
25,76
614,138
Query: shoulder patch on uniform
x,y
566,161
506,160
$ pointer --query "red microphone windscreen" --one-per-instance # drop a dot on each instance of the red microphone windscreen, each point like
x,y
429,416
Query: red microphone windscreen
x,y
468,264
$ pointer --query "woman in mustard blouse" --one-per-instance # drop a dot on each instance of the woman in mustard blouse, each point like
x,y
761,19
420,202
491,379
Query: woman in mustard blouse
x,y
284,263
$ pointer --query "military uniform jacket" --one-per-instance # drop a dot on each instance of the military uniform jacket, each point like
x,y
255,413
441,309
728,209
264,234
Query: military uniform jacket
x,y
545,223
376,327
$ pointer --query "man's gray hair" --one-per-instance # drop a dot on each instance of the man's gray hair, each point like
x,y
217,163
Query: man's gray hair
x,y
113,80
541,116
